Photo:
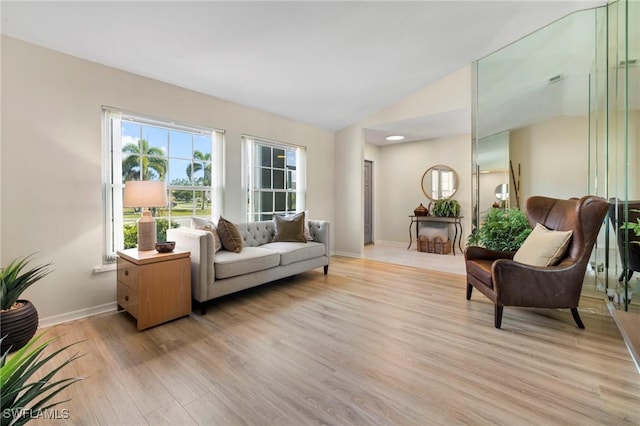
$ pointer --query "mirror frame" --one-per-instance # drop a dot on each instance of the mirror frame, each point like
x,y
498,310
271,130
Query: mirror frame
x,y
440,167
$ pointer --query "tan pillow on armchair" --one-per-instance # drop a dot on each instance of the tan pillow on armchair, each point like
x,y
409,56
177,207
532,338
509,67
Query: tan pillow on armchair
x,y
543,247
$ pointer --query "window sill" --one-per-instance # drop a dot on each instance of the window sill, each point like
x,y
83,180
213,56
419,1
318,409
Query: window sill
x,y
107,267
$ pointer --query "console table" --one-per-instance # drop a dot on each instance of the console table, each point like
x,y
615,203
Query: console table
x,y
456,221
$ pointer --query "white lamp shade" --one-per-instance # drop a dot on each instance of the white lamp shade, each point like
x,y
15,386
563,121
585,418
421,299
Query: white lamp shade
x,y
145,193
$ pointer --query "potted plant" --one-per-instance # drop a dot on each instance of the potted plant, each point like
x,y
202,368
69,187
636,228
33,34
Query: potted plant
x,y
502,230
22,401
633,226
446,208
19,317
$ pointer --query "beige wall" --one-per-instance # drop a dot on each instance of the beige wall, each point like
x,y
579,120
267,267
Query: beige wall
x,y
553,158
399,190
451,93
51,164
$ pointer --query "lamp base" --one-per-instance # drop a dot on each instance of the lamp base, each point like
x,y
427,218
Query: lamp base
x,y
146,232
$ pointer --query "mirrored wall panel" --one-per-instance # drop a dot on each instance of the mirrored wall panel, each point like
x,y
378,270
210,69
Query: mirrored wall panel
x,y
556,114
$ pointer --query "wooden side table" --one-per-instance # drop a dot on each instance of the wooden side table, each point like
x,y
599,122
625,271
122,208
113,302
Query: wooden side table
x,y
154,287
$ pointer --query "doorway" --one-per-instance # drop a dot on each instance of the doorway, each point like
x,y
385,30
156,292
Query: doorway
x,y
368,202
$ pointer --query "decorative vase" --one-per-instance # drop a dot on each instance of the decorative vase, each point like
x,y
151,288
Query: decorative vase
x,y
18,325
421,211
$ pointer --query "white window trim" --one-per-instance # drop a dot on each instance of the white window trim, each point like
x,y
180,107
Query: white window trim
x,y
112,188
248,145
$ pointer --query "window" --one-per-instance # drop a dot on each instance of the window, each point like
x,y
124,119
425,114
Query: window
x,y
275,178
186,158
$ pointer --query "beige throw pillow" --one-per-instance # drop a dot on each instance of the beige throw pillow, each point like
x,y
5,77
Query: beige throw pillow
x,y
229,235
543,247
290,228
207,225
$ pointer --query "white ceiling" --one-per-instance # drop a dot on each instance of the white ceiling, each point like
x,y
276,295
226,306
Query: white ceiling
x,y
326,63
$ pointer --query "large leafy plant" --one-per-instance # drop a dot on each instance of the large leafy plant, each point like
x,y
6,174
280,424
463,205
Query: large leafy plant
x,y
13,281
21,400
502,230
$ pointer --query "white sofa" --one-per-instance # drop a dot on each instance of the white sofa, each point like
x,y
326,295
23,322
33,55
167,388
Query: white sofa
x,y
260,261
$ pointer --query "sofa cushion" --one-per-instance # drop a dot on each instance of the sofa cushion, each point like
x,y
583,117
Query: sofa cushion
x,y
229,235
255,234
481,270
250,259
296,252
289,228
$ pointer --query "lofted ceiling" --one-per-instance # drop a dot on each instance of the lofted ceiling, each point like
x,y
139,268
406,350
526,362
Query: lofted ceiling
x,y
325,63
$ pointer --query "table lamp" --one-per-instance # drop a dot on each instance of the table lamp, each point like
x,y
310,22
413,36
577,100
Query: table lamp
x,y
145,194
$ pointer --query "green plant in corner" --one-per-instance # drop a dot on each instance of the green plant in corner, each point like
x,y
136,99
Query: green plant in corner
x,y
446,208
20,400
501,230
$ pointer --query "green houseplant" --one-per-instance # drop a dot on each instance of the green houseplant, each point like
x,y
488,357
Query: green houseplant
x,y
502,230
633,226
19,317
22,401
446,208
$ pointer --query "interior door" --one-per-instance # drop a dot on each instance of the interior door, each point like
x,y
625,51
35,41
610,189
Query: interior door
x,y
368,202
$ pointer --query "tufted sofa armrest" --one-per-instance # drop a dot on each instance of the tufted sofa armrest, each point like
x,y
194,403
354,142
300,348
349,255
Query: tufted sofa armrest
x,y
200,244
320,232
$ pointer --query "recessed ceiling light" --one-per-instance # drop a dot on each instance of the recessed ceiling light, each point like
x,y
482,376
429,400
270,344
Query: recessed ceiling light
x,y
395,138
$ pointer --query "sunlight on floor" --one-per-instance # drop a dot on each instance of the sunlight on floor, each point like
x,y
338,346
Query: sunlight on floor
x,y
392,252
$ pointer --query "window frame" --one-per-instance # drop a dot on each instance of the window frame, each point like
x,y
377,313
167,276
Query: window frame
x,y
253,212
113,185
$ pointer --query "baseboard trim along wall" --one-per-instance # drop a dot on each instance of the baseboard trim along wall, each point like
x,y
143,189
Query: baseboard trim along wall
x,y
347,254
76,315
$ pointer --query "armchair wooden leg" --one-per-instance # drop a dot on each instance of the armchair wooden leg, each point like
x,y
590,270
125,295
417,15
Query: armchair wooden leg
x,y
576,317
498,316
469,290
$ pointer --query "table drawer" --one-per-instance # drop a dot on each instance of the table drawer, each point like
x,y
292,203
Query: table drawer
x,y
128,298
128,274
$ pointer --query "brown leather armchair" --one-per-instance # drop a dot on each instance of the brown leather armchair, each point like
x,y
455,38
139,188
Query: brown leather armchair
x,y
509,283
617,217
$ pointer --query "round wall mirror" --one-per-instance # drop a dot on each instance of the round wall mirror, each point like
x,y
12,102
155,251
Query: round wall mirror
x,y
502,192
439,182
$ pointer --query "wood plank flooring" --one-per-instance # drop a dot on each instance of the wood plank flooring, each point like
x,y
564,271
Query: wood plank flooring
x,y
368,344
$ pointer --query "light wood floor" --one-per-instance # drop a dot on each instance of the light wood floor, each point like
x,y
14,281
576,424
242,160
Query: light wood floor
x,y
368,344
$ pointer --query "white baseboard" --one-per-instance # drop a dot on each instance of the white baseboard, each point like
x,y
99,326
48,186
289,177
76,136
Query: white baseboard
x,y
347,254
395,243
76,315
